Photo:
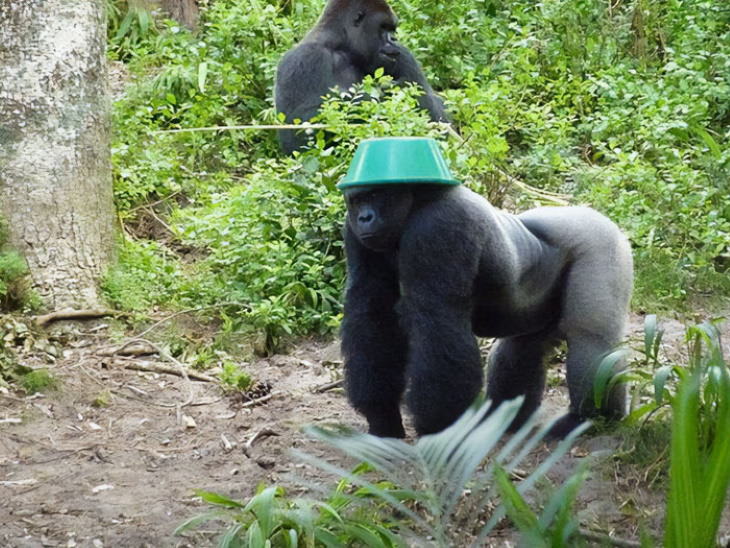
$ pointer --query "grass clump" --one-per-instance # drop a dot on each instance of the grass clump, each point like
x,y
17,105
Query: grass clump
x,y
37,380
233,377
14,288
144,276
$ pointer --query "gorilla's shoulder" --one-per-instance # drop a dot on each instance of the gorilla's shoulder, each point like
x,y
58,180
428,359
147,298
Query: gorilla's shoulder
x,y
304,56
449,210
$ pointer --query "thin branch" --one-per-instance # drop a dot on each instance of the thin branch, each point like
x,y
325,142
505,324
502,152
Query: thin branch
x,y
263,433
603,538
87,314
133,347
560,199
328,386
262,399
244,127
167,227
186,311
152,204
166,369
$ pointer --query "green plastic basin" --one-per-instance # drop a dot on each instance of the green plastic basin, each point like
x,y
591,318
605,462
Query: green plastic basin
x,y
398,160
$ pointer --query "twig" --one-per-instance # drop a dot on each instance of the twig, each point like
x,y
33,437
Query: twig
x,y
328,386
124,350
66,453
76,315
538,192
166,369
554,197
12,398
30,481
186,311
58,480
246,127
157,218
152,204
262,399
146,402
604,539
183,371
542,194
263,433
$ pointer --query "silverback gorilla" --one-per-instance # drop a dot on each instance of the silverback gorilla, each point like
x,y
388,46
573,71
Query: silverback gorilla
x,y
431,266
351,40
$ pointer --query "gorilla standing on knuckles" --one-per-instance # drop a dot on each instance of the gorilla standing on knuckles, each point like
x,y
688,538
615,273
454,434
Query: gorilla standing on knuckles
x,y
352,39
431,264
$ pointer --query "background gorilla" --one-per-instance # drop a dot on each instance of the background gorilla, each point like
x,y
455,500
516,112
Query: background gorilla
x,y
429,266
351,40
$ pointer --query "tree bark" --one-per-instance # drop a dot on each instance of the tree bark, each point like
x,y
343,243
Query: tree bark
x,y
55,171
185,12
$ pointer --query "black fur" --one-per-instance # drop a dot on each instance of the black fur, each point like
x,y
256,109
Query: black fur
x,y
351,40
431,266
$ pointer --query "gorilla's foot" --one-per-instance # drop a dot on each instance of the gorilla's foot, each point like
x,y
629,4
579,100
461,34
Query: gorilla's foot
x,y
564,426
386,424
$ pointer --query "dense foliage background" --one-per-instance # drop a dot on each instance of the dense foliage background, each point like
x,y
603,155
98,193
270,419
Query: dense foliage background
x,y
621,105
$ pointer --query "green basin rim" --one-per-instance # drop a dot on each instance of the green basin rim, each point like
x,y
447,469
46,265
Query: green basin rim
x,y
412,180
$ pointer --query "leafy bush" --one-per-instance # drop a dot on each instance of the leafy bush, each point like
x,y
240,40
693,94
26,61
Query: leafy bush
x,y
656,385
269,518
12,273
144,276
234,378
37,380
699,475
14,291
624,107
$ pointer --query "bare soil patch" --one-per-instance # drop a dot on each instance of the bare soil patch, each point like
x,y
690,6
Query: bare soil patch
x,y
110,458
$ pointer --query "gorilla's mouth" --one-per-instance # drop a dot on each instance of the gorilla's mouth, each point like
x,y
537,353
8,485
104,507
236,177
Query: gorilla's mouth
x,y
376,241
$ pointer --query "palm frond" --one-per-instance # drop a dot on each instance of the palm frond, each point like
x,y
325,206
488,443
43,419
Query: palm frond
x,y
439,469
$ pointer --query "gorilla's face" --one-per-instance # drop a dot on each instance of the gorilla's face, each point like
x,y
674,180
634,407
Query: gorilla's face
x,y
378,214
372,36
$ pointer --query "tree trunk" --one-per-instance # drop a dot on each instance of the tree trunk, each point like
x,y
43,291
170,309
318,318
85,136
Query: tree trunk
x,y
185,12
55,171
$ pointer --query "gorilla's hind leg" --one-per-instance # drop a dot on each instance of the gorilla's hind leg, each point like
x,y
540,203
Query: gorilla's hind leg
x,y
585,353
516,368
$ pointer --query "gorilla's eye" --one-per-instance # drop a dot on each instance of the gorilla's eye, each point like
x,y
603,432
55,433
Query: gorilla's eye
x,y
359,18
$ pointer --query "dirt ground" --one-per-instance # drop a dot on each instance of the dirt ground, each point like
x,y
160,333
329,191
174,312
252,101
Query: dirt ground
x,y
77,473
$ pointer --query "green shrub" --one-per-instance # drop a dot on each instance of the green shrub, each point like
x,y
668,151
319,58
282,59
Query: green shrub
x,y
14,290
699,475
622,107
145,275
234,378
38,380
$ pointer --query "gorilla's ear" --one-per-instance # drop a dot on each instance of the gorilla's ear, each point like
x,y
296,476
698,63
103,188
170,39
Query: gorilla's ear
x,y
359,18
